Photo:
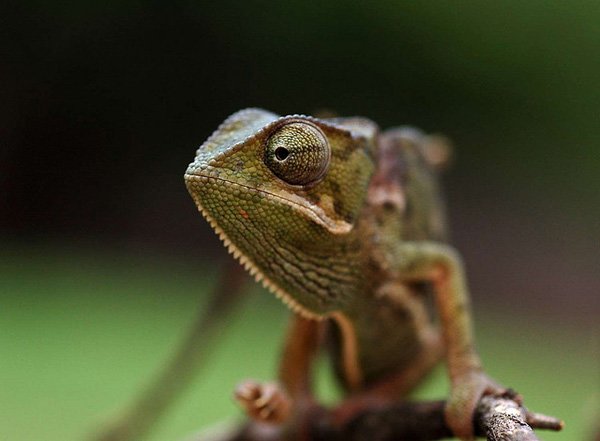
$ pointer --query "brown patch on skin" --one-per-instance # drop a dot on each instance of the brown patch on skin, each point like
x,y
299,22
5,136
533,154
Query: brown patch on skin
x,y
244,213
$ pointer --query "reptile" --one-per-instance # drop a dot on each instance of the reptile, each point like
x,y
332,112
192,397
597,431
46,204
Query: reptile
x,y
345,223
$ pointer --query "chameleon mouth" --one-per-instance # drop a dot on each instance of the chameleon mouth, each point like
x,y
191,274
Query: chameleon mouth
x,y
253,269
313,212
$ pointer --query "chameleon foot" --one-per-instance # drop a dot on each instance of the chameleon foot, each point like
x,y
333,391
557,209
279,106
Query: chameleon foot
x,y
466,393
263,402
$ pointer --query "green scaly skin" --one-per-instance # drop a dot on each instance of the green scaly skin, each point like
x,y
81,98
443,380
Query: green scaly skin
x,y
346,223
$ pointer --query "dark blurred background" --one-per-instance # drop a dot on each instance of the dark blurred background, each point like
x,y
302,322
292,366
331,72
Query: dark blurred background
x,y
102,105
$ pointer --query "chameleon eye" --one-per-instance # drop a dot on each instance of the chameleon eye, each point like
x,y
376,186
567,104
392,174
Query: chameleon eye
x,y
298,153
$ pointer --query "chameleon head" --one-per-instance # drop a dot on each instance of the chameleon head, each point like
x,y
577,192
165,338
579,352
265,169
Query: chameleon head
x,y
284,194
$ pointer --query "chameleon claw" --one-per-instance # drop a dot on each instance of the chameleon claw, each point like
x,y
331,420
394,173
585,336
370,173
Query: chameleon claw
x,y
263,402
245,391
265,413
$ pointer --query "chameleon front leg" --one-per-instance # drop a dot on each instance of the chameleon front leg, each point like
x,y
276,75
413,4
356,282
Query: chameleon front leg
x,y
442,266
275,403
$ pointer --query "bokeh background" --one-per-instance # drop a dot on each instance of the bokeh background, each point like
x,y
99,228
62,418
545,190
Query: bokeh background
x,y
104,259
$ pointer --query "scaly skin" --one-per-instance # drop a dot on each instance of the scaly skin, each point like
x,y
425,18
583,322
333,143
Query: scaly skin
x,y
345,224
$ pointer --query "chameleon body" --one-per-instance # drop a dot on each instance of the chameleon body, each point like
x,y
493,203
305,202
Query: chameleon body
x,y
345,224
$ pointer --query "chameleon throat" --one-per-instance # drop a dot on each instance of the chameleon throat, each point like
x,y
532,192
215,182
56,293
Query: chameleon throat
x,y
255,272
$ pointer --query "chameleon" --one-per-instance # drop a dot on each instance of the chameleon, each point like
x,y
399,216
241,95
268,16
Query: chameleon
x,y
345,223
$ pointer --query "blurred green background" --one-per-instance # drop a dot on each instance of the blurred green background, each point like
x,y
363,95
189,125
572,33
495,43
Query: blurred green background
x,y
104,259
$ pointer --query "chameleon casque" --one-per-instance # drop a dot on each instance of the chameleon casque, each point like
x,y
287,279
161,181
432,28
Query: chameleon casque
x,y
345,224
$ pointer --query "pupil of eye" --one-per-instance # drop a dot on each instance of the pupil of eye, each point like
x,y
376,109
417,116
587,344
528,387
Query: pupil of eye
x,y
281,153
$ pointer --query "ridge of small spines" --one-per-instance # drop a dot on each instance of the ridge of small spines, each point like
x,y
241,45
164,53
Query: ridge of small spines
x,y
255,272
225,123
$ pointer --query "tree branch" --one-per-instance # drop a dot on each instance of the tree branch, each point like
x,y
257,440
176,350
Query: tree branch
x,y
498,419
502,419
